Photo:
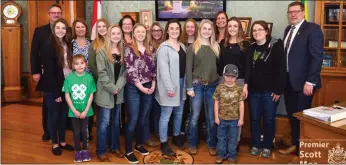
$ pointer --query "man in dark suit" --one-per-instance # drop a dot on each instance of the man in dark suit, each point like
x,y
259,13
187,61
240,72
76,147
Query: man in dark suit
x,y
41,35
303,43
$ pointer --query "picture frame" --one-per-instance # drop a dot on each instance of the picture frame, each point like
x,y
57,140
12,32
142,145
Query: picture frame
x,y
270,26
246,24
146,18
185,9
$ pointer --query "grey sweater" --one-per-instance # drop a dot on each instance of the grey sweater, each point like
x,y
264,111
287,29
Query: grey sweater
x,y
168,75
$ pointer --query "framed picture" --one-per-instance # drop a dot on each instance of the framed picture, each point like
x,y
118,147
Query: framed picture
x,y
146,18
184,9
246,24
270,26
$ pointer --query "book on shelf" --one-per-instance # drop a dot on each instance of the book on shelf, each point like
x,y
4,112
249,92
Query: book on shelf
x,y
329,114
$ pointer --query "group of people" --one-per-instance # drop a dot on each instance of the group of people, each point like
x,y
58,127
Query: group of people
x,y
153,71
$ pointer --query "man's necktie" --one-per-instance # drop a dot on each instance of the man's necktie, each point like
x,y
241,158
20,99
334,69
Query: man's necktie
x,y
289,39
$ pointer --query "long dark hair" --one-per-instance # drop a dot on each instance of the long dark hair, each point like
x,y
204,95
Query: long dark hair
x,y
58,44
240,36
217,33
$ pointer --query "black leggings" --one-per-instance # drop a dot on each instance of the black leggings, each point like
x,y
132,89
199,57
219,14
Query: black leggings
x,y
80,129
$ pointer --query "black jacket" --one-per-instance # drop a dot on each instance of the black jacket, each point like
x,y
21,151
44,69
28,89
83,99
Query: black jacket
x,y
268,72
39,39
52,79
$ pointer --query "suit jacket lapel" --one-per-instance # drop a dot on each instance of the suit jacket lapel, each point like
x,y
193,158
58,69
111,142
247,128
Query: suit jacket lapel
x,y
298,34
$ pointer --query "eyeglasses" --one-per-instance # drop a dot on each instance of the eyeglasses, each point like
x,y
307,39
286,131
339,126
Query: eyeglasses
x,y
294,12
55,13
257,30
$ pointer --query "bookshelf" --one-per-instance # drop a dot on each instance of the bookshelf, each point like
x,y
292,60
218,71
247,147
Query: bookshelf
x,y
331,16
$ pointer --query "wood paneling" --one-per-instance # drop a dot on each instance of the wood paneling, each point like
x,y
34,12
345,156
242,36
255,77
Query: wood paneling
x,y
11,59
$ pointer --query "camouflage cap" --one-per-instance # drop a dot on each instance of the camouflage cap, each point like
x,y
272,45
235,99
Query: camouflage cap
x,y
230,70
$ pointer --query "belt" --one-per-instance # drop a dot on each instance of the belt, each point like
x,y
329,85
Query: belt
x,y
201,81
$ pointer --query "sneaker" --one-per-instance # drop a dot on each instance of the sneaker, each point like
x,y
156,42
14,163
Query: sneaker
x,y
265,153
141,150
255,151
56,151
131,158
78,156
166,149
86,156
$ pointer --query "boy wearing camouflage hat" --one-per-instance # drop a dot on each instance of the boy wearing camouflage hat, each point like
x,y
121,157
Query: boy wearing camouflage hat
x,y
229,114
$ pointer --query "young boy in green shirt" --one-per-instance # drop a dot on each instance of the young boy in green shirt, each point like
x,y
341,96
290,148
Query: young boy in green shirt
x,y
229,114
79,87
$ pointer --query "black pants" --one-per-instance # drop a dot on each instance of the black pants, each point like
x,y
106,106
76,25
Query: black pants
x,y
80,129
295,101
45,117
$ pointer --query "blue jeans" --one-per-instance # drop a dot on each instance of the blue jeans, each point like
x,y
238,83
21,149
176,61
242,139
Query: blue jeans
x,y
261,104
202,92
104,129
57,117
166,112
227,138
155,116
115,121
138,108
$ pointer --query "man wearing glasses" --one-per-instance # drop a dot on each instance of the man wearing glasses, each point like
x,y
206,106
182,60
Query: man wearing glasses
x,y
39,40
303,43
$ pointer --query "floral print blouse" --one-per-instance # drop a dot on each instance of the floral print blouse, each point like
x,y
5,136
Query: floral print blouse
x,y
139,68
81,50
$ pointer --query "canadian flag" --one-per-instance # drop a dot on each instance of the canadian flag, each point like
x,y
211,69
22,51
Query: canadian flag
x,y
96,16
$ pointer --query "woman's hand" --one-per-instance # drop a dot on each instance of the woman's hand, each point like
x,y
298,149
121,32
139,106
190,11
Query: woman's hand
x,y
275,97
245,91
58,100
191,93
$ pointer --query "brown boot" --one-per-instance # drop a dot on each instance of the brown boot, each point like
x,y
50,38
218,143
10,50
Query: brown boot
x,y
103,158
193,150
288,150
119,153
212,151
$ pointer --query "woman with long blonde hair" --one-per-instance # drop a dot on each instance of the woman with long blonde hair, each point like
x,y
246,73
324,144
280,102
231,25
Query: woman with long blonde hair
x,y
141,80
101,32
109,94
201,82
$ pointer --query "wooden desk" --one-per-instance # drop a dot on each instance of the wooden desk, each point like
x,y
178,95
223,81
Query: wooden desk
x,y
322,137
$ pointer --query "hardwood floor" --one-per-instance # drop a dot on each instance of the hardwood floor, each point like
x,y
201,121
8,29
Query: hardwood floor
x,y
21,133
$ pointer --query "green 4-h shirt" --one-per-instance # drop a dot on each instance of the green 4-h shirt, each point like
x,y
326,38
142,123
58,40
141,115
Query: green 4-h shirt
x,y
79,88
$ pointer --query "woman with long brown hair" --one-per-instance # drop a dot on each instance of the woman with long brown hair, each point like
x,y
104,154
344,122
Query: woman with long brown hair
x,y
190,32
56,61
220,23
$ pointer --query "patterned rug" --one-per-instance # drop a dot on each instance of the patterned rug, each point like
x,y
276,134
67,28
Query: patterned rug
x,y
156,157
